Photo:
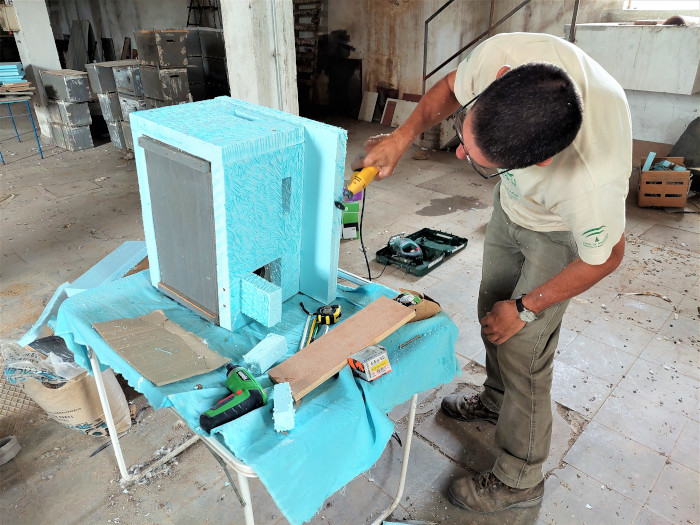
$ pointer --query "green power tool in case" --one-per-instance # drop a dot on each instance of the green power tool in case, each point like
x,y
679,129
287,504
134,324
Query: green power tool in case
x,y
247,395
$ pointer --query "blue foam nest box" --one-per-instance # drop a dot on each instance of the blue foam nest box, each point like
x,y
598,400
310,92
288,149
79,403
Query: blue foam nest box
x,y
237,204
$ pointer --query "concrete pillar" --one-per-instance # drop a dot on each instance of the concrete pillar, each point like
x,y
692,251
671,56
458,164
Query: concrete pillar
x,y
260,52
37,50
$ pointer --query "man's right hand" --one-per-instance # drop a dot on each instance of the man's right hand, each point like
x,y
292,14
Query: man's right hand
x,y
383,152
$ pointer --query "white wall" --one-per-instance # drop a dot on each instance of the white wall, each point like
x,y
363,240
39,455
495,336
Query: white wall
x,y
388,35
658,68
35,51
661,117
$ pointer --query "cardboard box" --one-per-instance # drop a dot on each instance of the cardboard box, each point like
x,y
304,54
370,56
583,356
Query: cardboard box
x,y
370,362
350,220
663,188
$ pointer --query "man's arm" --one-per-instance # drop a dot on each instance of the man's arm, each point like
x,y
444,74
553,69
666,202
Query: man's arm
x,y
384,151
502,322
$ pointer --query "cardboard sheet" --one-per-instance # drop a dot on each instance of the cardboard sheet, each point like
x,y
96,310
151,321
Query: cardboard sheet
x,y
161,350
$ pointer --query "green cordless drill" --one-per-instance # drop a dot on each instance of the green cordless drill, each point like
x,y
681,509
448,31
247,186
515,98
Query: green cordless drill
x,y
247,396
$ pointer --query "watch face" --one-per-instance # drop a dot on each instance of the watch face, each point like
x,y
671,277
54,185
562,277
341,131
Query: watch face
x,y
527,316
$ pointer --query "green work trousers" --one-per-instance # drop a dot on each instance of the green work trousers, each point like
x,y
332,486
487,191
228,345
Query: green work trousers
x,y
519,372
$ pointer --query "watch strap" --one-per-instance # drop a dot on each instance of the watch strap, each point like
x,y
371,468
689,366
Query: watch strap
x,y
524,314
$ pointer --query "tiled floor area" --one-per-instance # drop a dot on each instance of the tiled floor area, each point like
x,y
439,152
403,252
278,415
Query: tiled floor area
x,y
625,445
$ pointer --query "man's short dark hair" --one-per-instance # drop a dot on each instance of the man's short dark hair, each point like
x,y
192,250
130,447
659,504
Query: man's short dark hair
x,y
526,116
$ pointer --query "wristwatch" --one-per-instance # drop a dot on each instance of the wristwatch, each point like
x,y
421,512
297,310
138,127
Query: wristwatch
x,y
524,314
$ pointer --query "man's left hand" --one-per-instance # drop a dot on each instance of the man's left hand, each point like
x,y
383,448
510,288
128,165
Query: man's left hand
x,y
502,322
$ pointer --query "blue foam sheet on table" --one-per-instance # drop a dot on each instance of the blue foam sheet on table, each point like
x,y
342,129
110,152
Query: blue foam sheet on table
x,y
342,423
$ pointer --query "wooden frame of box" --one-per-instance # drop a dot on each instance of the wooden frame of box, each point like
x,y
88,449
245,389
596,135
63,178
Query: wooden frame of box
x,y
663,188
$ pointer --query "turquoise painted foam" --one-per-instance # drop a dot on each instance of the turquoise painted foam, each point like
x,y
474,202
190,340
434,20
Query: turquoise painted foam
x,y
112,267
324,164
283,408
259,170
261,300
47,317
265,354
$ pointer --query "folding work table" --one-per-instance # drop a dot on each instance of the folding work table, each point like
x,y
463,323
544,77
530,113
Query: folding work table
x,y
344,414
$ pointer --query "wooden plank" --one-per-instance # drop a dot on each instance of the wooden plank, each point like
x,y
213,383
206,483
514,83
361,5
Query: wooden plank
x,y
314,364
389,109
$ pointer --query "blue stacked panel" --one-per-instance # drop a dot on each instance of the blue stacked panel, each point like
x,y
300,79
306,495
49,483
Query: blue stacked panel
x,y
11,72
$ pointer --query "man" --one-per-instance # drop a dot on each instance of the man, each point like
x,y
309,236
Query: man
x,y
542,115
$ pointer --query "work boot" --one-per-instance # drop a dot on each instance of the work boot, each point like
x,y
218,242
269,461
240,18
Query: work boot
x,y
486,494
468,409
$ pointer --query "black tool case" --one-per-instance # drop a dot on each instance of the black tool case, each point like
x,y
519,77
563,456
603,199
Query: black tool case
x,y
436,247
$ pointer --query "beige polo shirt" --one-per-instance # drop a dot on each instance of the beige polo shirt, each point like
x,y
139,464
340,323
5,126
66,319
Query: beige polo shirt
x,y
583,190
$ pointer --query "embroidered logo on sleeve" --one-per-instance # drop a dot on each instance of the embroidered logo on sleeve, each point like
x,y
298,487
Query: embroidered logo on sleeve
x,y
595,237
510,183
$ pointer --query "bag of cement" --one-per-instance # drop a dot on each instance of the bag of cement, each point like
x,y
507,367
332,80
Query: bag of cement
x,y
77,406
21,363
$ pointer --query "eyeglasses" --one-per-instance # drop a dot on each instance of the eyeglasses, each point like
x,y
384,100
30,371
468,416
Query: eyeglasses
x,y
458,118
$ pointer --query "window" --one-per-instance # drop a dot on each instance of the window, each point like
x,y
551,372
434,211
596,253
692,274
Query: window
x,y
662,5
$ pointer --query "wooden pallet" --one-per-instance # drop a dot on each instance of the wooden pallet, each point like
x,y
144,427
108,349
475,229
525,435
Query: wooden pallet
x,y
17,88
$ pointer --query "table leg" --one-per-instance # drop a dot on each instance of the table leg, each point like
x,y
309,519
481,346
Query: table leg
x,y
245,494
404,462
12,118
126,477
31,118
243,472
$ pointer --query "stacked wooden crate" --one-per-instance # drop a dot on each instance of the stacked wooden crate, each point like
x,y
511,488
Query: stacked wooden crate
x,y
163,66
129,83
68,93
206,63
103,82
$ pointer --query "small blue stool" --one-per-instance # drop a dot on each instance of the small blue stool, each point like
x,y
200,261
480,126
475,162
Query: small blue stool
x,y
14,100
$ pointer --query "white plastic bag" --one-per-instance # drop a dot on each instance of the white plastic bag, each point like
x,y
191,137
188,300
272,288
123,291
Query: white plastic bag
x,y
21,363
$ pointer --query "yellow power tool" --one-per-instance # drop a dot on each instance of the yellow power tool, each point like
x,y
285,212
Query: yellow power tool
x,y
359,181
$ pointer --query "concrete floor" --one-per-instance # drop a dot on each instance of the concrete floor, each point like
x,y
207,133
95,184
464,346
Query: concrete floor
x,y
625,394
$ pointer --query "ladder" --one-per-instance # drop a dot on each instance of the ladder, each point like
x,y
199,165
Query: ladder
x,y
204,13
